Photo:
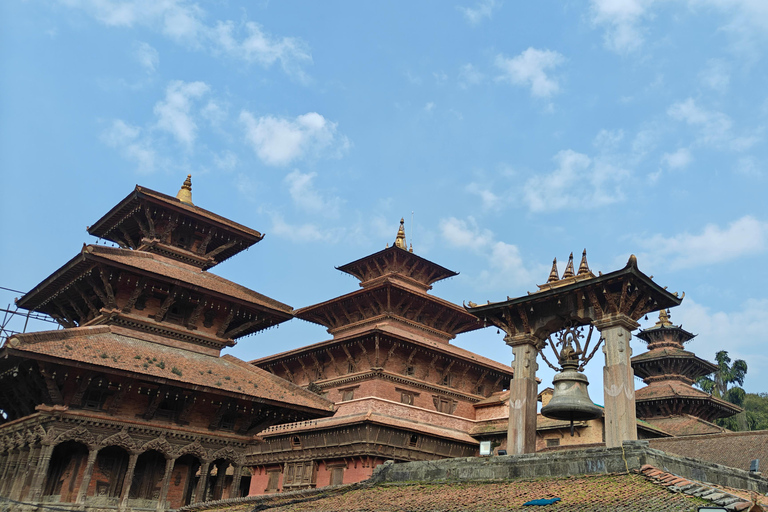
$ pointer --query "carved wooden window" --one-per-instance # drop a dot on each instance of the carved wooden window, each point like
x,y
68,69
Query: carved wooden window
x,y
299,474
410,371
208,318
337,476
272,480
447,380
406,398
553,442
413,441
347,394
95,397
445,405
179,312
296,442
228,420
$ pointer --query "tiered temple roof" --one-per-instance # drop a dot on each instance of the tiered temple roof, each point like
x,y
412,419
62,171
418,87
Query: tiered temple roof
x,y
669,372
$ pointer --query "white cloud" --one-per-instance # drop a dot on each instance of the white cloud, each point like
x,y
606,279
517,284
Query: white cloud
x,y
747,166
608,140
744,237
306,197
482,10
184,22
579,182
489,200
301,232
677,160
129,142
714,128
429,107
280,141
507,268
530,69
621,19
716,75
214,112
469,76
174,113
147,56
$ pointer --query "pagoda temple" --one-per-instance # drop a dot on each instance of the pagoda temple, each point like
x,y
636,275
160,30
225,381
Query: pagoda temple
x,y
131,404
669,401
402,390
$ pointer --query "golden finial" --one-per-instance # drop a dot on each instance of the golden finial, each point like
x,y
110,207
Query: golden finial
x,y
569,268
410,248
400,240
185,192
663,319
553,275
583,267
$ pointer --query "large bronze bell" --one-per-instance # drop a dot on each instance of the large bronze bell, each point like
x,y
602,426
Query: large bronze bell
x,y
570,400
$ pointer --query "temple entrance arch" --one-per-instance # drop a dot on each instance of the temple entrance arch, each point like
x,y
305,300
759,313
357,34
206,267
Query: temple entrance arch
x,y
612,303
188,467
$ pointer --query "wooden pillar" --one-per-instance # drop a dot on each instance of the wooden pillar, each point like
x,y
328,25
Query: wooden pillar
x,y
234,489
618,381
170,463
36,490
203,483
128,479
83,491
521,435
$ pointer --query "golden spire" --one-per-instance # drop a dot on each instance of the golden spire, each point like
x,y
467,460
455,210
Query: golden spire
x,y
185,192
569,268
583,267
400,240
553,276
663,319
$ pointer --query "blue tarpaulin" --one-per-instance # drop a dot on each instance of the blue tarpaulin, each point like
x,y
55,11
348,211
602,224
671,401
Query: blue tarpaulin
x,y
542,501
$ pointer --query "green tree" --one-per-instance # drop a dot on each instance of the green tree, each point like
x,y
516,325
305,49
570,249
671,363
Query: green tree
x,y
726,373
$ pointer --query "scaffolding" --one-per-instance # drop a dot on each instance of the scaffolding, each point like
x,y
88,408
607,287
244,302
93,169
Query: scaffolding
x,y
16,321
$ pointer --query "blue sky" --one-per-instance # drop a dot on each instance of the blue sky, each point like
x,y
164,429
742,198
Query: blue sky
x,y
512,133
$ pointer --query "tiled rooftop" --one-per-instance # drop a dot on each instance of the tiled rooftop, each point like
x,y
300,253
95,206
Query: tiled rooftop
x,y
649,490
113,348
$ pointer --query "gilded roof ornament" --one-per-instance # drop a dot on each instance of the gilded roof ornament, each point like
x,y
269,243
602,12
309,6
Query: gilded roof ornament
x,y
553,275
569,268
583,266
185,192
664,320
400,240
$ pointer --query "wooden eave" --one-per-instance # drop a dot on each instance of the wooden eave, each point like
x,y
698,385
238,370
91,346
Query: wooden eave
x,y
444,349
575,302
676,331
332,313
639,363
142,195
358,268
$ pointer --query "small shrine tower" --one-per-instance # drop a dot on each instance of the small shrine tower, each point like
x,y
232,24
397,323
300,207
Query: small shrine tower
x,y
669,401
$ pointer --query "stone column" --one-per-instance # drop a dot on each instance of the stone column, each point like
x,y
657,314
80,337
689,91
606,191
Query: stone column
x,y
170,463
10,471
618,382
36,490
203,482
221,476
21,472
87,474
521,435
234,489
128,479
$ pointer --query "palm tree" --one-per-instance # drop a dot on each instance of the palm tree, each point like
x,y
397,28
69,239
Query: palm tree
x,y
726,373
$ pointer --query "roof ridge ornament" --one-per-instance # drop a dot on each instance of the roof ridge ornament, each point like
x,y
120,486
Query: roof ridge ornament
x,y
664,320
185,192
583,266
569,268
553,275
400,239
